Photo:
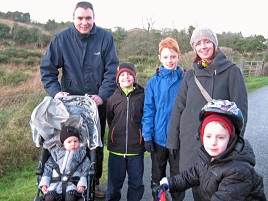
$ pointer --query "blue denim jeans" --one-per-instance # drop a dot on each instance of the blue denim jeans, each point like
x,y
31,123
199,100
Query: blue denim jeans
x,y
118,166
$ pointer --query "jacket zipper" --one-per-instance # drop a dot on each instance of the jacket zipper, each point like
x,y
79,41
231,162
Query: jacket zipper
x,y
127,125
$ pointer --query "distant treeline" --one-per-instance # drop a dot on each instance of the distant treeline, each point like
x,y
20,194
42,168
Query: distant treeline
x,y
16,16
129,43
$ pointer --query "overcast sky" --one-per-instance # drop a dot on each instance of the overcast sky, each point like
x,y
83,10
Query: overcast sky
x,y
247,17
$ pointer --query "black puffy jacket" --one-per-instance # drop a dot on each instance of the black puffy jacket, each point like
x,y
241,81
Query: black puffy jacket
x,y
230,176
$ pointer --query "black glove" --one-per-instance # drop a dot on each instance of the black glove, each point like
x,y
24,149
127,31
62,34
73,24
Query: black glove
x,y
173,152
149,146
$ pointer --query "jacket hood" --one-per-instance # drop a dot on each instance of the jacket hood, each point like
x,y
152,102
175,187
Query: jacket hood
x,y
241,151
161,71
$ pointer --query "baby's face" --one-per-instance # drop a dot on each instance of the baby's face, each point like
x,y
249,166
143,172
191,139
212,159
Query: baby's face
x,y
71,143
216,138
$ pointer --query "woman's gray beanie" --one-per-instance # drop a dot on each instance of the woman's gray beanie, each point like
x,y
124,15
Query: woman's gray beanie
x,y
203,33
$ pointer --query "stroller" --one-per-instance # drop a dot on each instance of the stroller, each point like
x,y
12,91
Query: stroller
x,y
46,122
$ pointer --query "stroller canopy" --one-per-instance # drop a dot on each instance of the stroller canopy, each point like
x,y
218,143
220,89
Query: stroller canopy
x,y
51,114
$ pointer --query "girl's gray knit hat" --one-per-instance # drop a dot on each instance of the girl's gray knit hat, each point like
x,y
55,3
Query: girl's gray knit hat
x,y
202,33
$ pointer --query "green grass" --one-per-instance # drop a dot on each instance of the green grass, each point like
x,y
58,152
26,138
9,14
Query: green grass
x,y
21,184
254,83
12,78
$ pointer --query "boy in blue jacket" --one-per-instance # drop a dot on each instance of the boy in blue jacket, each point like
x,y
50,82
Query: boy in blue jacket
x,y
160,94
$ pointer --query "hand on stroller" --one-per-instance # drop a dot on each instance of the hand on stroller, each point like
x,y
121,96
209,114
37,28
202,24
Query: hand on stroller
x,y
61,94
97,99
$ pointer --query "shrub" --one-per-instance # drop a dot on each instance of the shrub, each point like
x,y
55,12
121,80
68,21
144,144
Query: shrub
x,y
4,58
15,60
31,61
13,78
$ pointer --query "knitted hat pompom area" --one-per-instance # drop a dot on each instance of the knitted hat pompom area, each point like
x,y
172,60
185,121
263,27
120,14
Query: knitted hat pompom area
x,y
202,33
126,66
68,131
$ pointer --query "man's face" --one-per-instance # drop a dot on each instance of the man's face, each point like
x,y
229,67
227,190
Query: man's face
x,y
83,20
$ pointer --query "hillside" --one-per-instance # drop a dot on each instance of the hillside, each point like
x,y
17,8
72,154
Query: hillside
x,y
11,24
22,49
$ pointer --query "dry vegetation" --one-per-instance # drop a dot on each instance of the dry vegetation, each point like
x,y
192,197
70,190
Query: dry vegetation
x,y
21,91
32,84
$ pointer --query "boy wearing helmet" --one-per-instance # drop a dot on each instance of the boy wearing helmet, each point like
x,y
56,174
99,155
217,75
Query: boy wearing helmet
x,y
225,170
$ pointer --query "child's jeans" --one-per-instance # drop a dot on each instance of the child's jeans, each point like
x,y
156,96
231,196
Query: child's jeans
x,y
118,166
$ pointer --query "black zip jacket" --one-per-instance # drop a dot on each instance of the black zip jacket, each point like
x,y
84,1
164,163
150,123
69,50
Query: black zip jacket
x,y
124,114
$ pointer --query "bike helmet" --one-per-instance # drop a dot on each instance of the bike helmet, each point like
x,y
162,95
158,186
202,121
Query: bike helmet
x,y
225,108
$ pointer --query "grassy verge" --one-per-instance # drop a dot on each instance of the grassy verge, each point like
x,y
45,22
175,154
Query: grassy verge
x,y
20,184
254,83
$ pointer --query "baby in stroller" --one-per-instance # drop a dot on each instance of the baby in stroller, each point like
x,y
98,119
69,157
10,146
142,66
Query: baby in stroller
x,y
67,159
57,124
